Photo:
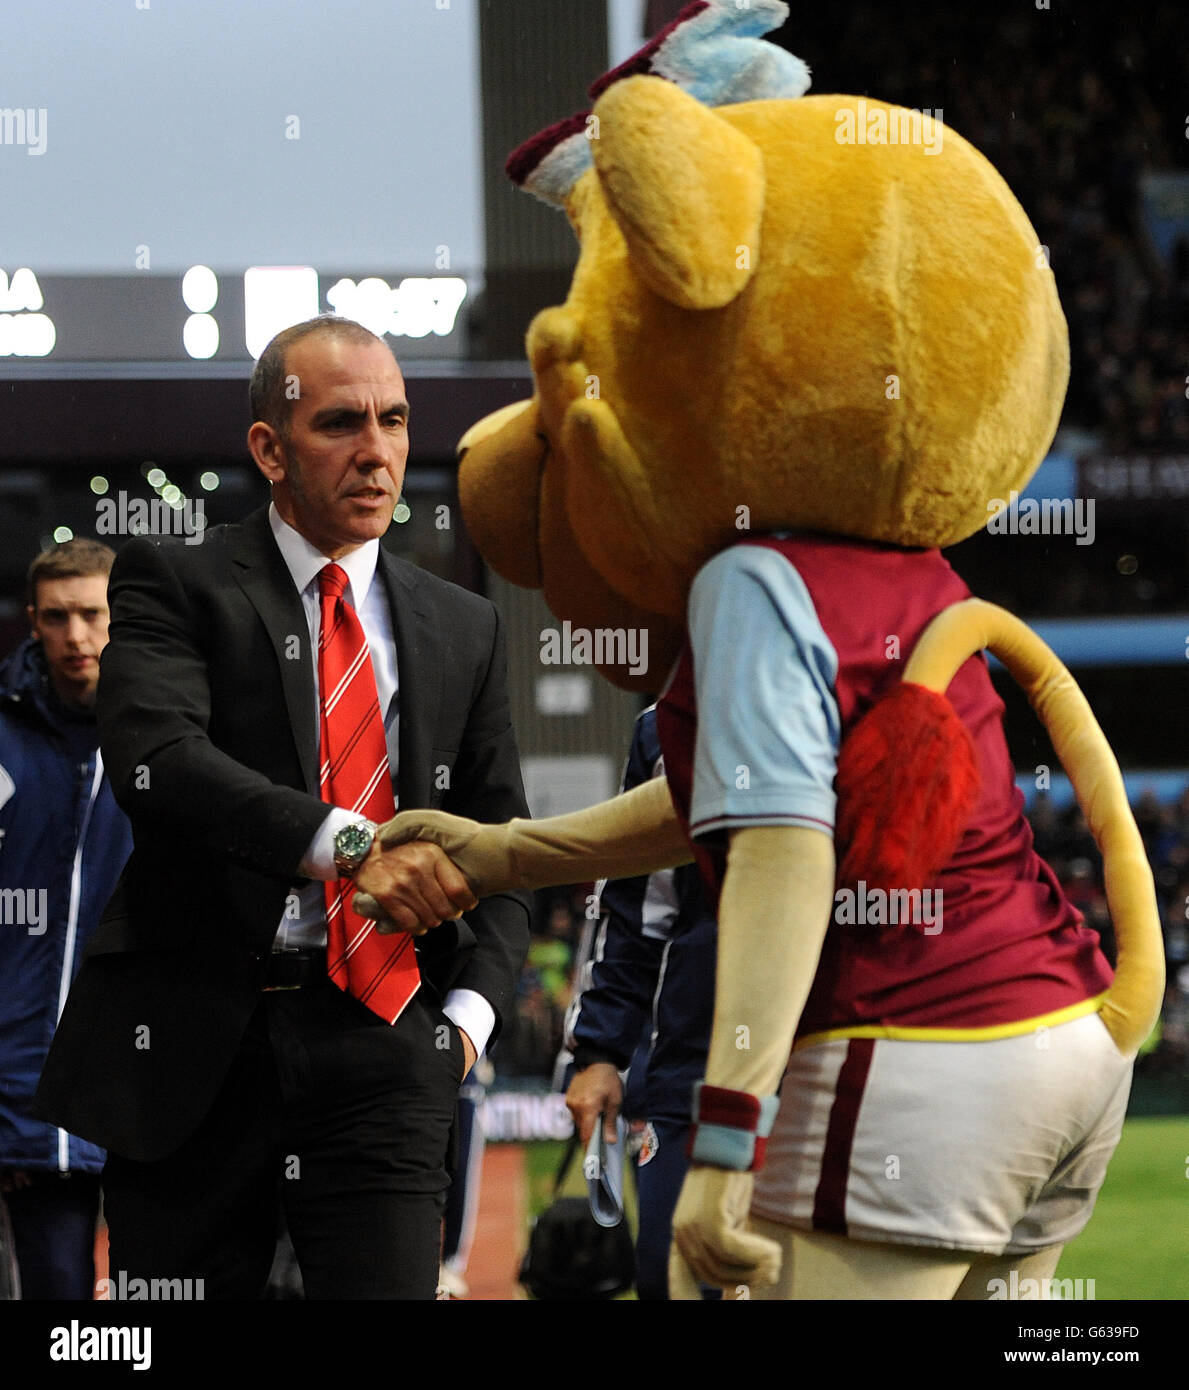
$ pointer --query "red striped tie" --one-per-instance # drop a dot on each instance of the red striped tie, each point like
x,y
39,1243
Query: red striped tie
x,y
380,971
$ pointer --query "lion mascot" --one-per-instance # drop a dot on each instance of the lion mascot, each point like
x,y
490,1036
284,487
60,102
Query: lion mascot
x,y
808,342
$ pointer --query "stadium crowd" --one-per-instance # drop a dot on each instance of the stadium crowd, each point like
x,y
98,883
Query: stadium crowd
x,y
1089,117
1064,840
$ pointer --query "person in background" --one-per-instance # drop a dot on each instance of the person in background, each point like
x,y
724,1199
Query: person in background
x,y
63,842
645,997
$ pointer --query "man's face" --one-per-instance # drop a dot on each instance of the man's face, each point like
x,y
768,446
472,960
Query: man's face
x,y
70,618
337,472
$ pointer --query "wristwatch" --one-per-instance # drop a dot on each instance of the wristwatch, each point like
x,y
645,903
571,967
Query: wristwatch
x,y
352,844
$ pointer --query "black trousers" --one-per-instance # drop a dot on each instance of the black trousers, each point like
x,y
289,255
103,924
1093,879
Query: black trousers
x,y
339,1117
53,1231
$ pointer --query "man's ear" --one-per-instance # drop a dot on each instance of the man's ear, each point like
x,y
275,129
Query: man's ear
x,y
268,450
31,614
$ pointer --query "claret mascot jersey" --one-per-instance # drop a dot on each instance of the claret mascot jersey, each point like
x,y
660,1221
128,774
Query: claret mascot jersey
x,y
795,364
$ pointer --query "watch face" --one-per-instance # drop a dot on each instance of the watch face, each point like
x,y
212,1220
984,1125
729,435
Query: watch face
x,y
352,843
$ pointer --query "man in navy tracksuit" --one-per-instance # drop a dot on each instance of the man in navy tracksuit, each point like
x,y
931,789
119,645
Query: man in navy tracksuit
x,y
63,842
645,997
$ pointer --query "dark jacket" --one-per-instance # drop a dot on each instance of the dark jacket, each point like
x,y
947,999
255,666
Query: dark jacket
x,y
63,842
646,993
208,720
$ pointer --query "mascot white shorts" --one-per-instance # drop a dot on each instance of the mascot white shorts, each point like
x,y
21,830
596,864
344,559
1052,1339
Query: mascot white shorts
x,y
996,1147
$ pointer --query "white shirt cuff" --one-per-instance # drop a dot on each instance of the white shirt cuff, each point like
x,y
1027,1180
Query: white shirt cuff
x,y
473,1014
318,861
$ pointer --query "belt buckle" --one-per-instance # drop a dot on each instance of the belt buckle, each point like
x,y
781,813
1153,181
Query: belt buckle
x,y
296,953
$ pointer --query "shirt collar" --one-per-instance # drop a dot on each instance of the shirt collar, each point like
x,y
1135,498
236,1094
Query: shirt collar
x,y
305,560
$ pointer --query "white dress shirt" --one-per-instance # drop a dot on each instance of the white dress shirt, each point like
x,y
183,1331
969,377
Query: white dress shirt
x,y
304,921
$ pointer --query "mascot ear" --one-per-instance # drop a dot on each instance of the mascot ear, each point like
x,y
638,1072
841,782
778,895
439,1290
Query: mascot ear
x,y
685,188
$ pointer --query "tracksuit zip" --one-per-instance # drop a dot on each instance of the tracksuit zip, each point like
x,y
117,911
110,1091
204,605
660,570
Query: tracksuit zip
x,y
76,890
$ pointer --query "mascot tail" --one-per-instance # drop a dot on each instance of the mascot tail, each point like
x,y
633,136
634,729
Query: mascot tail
x,y
911,749
1132,1004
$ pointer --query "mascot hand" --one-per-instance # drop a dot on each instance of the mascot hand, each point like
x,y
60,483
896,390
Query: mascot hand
x,y
636,833
451,833
711,1242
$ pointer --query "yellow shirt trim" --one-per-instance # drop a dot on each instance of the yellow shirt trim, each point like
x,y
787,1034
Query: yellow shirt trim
x,y
998,1030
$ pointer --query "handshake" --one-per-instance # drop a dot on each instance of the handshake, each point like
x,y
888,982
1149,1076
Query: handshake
x,y
427,867
419,872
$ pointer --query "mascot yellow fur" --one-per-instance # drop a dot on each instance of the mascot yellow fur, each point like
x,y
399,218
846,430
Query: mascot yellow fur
x,y
808,340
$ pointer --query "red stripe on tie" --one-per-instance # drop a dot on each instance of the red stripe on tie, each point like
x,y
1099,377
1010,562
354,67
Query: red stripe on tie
x,y
379,971
829,1201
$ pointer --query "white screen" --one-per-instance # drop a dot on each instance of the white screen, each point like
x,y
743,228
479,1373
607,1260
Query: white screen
x,y
170,128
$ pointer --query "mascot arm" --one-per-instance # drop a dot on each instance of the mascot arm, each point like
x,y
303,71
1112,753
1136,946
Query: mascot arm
x,y
635,833
773,914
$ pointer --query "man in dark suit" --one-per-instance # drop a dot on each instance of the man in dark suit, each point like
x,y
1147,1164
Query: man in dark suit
x,y
203,1043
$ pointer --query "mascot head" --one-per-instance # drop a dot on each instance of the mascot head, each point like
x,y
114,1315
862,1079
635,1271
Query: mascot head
x,y
788,313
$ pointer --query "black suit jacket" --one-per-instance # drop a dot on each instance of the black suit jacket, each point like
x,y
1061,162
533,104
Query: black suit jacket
x,y
208,728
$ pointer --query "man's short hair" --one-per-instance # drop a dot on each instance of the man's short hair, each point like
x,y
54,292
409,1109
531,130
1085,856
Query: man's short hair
x,y
267,396
77,559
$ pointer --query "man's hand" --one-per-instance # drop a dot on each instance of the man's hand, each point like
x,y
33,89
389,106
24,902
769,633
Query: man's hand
x,y
711,1242
595,1090
414,885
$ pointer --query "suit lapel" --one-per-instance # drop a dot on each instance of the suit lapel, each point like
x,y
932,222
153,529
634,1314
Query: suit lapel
x,y
419,677
265,579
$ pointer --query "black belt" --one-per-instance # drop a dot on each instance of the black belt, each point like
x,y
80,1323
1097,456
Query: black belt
x,y
296,969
